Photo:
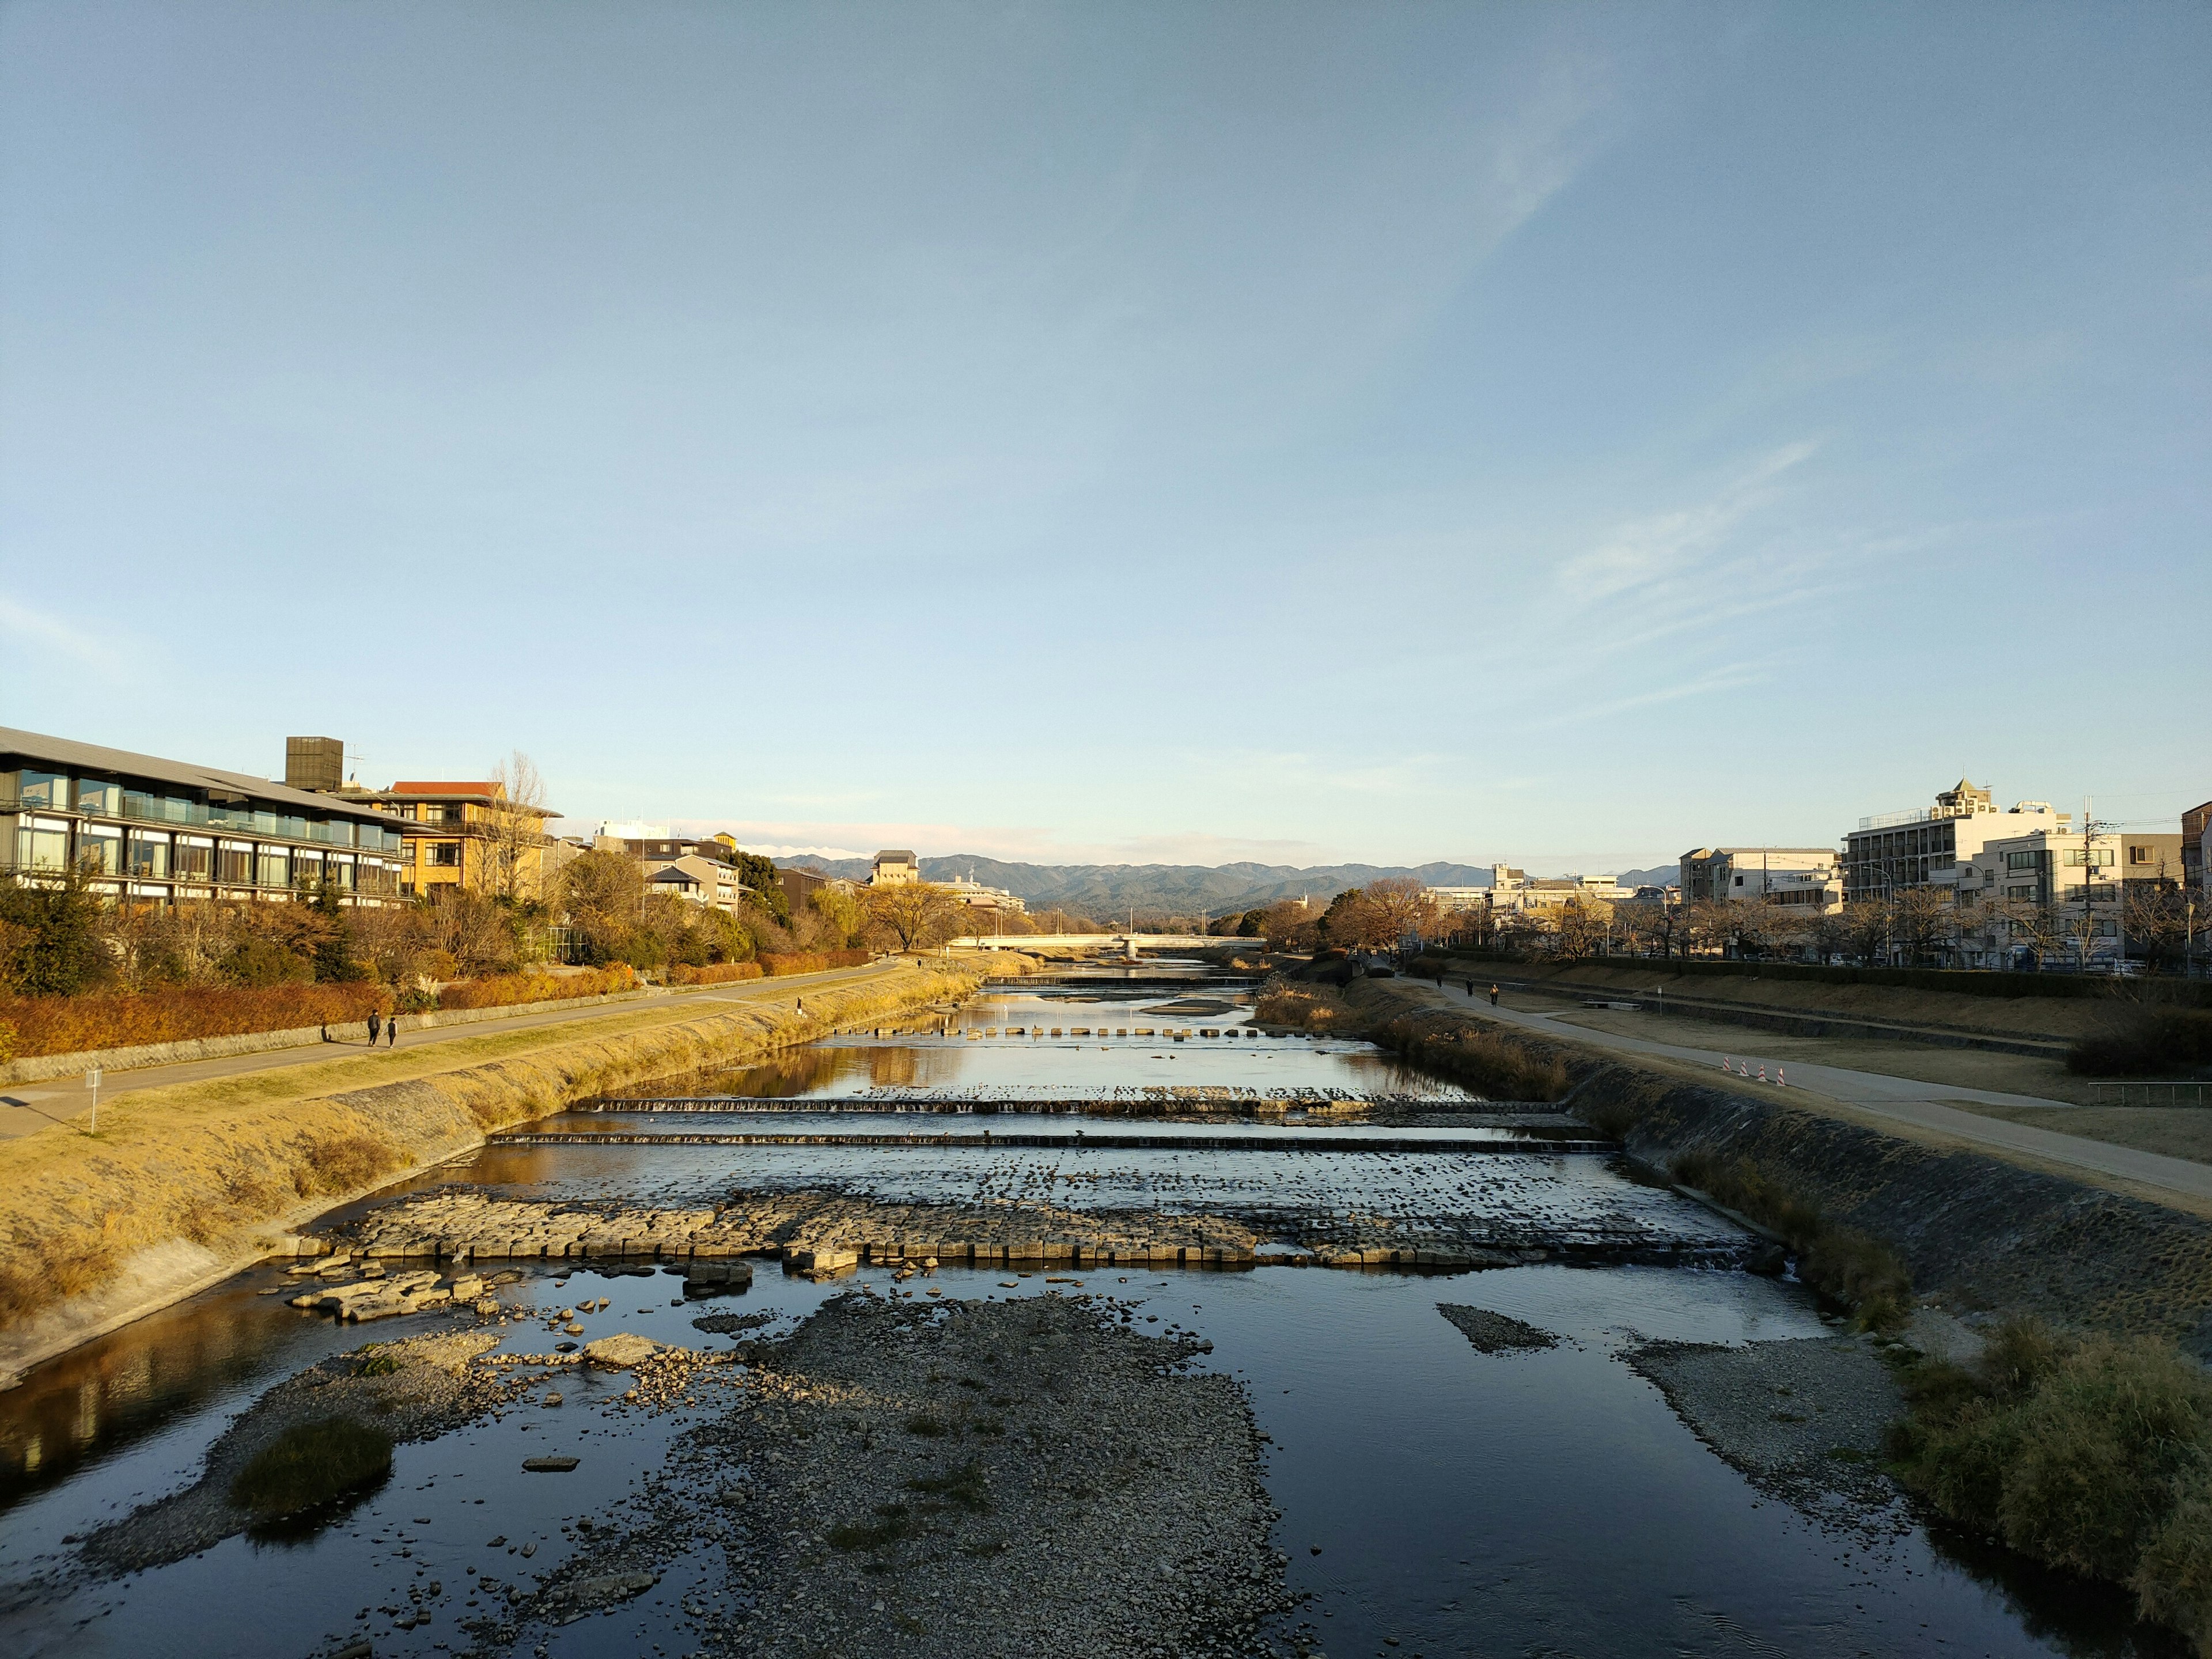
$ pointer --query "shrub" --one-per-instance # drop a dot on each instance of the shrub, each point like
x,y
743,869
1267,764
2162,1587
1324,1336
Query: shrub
x,y
2092,1455
714,973
512,990
1303,1007
310,1464
1841,1262
1500,1066
341,1164
812,962
67,1025
2162,1040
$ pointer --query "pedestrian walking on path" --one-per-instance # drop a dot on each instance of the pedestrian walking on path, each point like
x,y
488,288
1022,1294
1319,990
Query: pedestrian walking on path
x,y
391,1032
375,1028
1493,996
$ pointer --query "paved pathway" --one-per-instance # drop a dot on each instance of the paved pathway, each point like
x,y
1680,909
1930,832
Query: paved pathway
x,y
1904,1100
26,1107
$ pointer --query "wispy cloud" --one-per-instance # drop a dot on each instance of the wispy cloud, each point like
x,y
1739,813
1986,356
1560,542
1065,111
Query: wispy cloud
x,y
40,629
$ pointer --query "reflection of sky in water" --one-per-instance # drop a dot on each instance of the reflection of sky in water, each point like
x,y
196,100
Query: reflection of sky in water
x,y
1008,1067
1462,1502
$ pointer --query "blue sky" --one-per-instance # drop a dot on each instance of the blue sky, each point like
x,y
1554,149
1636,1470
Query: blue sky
x,y
1559,433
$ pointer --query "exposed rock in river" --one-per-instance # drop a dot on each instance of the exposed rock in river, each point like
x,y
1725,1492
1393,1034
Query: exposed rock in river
x,y
828,1231
1025,1479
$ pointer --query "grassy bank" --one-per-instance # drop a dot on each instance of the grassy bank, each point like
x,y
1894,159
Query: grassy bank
x,y
183,1183
2092,1455
1842,1263
1410,1019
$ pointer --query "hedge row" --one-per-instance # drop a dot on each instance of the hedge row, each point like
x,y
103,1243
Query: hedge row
x,y
31,1026
812,962
714,973
507,990
1966,981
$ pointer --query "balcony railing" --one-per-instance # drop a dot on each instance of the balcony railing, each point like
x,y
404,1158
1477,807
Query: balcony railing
x,y
197,815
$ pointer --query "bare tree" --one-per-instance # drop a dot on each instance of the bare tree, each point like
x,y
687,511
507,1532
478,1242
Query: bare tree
x,y
602,895
915,915
514,831
1579,927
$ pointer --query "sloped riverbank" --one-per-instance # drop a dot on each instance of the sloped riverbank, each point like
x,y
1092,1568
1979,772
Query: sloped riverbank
x,y
184,1186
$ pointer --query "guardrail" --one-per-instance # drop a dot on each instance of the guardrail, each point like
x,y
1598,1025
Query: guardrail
x,y
2150,1094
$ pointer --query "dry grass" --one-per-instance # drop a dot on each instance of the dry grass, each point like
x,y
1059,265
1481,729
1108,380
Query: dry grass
x,y
1303,1007
223,1161
1841,1262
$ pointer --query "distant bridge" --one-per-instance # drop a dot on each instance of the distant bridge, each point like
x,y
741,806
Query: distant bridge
x,y
1129,943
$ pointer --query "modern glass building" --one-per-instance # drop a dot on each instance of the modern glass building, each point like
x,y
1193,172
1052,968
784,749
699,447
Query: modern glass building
x,y
156,831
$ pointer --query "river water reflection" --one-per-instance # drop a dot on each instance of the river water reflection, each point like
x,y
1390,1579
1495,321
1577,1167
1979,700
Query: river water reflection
x,y
1460,1503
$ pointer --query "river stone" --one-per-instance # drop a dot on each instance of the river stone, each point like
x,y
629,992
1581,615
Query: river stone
x,y
620,1351
1495,1333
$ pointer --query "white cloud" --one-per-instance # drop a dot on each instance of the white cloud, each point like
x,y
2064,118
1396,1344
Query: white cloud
x,y
51,632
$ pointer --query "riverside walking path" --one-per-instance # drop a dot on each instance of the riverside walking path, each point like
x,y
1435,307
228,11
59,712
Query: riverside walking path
x,y
26,1108
1904,1100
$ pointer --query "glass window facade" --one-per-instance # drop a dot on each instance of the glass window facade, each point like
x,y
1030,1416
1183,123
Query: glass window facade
x,y
193,859
234,863
147,853
100,797
273,868
47,789
42,844
100,849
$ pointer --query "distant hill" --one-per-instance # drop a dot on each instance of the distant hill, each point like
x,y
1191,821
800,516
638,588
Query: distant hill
x,y
1108,890
1104,890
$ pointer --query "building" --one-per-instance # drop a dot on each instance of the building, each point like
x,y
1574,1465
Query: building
x,y
1514,892
2057,884
801,885
1449,900
158,831
698,879
468,835
2196,843
894,867
1805,877
1898,850
977,896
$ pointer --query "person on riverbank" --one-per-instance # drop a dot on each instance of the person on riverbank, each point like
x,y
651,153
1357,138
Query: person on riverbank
x,y
1493,996
375,1028
391,1032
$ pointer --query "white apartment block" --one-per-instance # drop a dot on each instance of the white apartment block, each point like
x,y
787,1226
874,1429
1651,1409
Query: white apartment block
x,y
1801,878
2079,880
1514,892
1914,849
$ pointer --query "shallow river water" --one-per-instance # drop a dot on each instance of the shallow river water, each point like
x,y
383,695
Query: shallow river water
x,y
1435,1500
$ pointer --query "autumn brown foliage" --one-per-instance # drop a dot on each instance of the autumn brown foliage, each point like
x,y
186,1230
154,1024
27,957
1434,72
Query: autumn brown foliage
x,y
812,962
510,990
67,1025
714,973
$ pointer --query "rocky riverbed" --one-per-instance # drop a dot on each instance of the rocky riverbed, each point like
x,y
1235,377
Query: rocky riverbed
x,y
1481,1212
1803,1420
1027,1479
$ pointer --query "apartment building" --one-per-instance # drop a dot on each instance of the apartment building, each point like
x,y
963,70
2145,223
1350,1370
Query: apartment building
x,y
696,878
1897,850
1800,878
894,867
976,897
469,835
1514,892
158,831
2077,882
2195,846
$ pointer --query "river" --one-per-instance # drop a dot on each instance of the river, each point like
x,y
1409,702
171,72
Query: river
x,y
1435,1499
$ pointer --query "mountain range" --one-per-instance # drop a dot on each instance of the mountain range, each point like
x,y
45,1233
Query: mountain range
x,y
1104,890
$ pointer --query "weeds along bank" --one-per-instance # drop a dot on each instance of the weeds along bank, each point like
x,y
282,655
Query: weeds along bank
x,y
185,1185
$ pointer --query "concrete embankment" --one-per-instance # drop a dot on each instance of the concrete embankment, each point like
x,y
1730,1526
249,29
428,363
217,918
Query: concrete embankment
x,y
185,1185
1979,1234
